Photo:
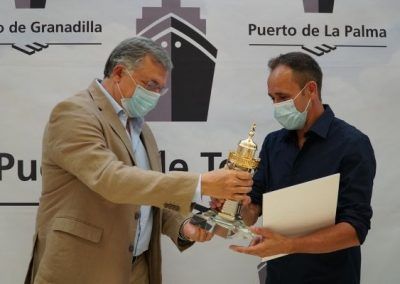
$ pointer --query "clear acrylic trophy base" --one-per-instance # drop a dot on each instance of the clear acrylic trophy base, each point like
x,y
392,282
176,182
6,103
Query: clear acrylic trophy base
x,y
213,222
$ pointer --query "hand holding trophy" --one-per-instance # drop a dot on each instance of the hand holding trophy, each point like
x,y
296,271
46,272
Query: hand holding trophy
x,y
228,222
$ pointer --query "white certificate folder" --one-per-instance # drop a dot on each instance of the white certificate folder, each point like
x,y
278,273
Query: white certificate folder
x,y
301,209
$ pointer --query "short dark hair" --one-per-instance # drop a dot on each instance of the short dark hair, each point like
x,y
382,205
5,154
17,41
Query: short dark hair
x,y
304,67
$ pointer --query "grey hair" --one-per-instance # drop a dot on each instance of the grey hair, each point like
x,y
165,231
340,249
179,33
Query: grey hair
x,y
131,51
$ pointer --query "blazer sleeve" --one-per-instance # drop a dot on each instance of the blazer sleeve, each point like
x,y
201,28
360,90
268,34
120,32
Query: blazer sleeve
x,y
171,223
74,140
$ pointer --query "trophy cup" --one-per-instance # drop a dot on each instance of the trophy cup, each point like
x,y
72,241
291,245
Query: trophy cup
x,y
228,222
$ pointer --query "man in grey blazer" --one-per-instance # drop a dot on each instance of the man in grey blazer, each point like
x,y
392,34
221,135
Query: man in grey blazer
x,y
104,201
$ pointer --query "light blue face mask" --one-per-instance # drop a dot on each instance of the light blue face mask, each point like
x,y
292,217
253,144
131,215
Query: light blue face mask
x,y
141,102
287,114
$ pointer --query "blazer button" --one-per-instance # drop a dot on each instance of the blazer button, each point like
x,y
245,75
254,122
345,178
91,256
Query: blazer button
x,y
137,215
130,248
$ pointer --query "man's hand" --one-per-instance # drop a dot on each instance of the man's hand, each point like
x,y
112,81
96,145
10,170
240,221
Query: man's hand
x,y
267,243
250,213
326,240
195,234
226,184
216,203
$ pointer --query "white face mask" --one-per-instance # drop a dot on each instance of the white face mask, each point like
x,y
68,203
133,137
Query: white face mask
x,y
287,114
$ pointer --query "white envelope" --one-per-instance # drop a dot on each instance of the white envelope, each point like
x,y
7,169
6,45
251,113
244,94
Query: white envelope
x,y
300,209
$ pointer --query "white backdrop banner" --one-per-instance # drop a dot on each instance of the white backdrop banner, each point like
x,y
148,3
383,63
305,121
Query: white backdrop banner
x,y
50,49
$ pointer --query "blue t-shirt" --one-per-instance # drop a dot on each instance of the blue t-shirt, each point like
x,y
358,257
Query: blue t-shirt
x,y
331,146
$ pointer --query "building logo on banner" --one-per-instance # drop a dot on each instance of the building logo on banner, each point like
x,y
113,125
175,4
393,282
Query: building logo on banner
x,y
358,36
181,32
18,30
30,4
318,6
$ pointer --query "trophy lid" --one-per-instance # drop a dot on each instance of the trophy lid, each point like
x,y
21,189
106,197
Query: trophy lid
x,y
244,157
249,143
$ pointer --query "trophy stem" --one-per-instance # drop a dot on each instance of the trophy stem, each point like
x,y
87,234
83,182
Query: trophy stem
x,y
230,210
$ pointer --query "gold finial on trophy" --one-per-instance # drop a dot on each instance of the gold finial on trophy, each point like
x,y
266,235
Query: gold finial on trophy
x,y
244,156
252,131
247,148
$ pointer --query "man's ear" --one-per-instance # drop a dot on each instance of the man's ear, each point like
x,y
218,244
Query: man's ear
x,y
117,71
312,89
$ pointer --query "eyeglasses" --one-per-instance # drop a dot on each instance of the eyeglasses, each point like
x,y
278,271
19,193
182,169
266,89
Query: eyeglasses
x,y
154,87
150,85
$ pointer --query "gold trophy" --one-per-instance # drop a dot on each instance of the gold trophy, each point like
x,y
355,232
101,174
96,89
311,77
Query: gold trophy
x,y
228,222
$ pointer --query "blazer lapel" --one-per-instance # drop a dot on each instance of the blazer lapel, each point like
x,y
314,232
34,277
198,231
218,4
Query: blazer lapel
x,y
150,144
111,117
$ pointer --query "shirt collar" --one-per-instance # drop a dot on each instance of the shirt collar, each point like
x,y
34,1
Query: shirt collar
x,y
137,121
113,102
321,126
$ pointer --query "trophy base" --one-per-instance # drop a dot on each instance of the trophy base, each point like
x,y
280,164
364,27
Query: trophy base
x,y
228,229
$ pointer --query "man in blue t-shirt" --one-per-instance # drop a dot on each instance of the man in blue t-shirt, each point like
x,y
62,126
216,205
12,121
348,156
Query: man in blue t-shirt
x,y
312,144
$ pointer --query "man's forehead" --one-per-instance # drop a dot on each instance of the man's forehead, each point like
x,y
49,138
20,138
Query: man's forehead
x,y
282,80
148,61
152,69
281,72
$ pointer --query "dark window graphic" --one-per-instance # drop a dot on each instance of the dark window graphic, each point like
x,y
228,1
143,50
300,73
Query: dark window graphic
x,y
181,32
318,6
30,4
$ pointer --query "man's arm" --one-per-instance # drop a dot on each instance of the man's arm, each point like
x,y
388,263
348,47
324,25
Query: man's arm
x,y
337,237
175,225
170,225
75,142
